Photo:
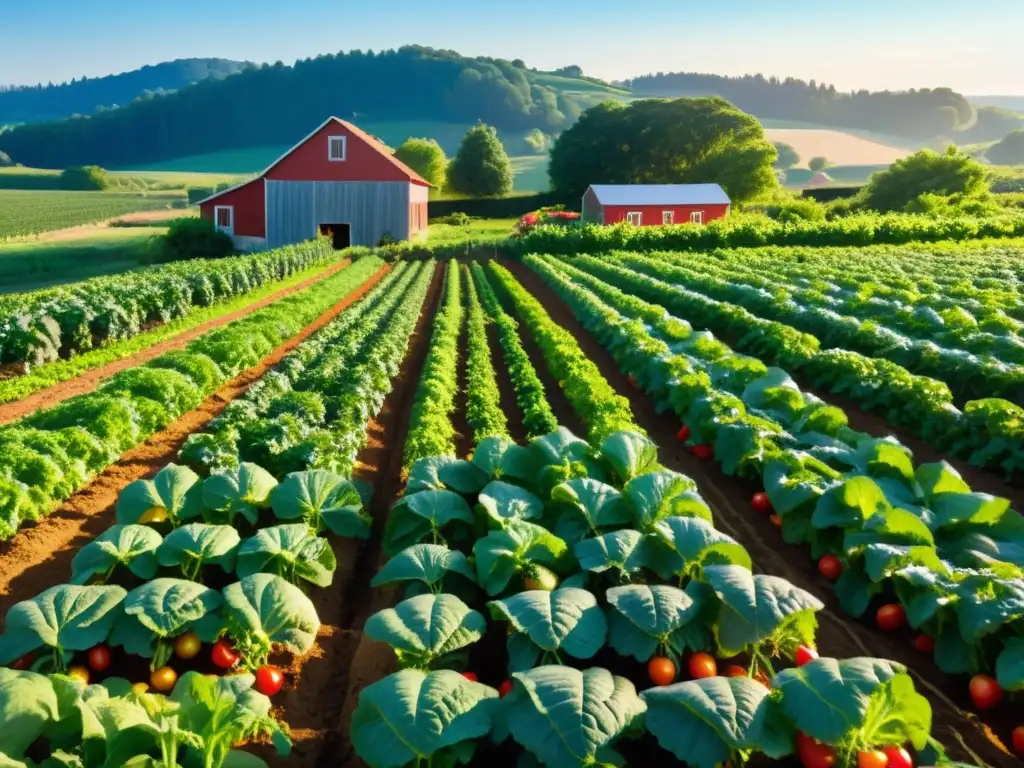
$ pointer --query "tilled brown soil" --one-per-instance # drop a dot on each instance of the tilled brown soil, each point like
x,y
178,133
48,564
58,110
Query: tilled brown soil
x,y
963,733
89,380
315,701
40,555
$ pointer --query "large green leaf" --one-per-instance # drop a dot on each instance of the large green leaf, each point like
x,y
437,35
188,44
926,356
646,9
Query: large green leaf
x,y
643,618
28,705
986,604
626,552
446,472
597,505
702,722
850,504
566,717
502,501
323,500
566,619
422,515
630,454
413,715
268,606
695,543
131,546
195,545
67,618
559,445
174,490
162,608
425,628
756,609
1010,665
290,551
500,555
954,508
243,490
428,563
659,495
939,477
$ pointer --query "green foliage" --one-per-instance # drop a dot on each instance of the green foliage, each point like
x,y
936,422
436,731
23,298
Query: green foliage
x,y
31,212
84,178
796,210
483,398
1008,151
669,141
818,164
788,156
480,168
426,157
536,143
948,174
196,238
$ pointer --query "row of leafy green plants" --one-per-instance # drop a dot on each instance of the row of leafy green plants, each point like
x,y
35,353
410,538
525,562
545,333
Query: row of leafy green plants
x,y
203,576
988,433
589,564
54,452
982,360
44,326
941,558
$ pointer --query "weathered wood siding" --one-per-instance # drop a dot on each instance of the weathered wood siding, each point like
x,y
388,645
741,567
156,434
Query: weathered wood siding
x,y
296,209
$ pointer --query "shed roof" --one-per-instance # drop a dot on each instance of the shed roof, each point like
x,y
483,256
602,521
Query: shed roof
x,y
660,194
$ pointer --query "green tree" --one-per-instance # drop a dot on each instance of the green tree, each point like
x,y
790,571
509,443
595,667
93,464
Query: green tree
x,y
949,174
426,157
663,141
1009,151
536,143
86,177
819,164
194,238
788,156
480,168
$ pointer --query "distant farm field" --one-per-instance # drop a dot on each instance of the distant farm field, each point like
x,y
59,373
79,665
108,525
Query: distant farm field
x,y
31,212
839,147
121,181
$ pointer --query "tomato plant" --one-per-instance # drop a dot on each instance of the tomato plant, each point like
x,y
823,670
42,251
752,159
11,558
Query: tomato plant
x,y
1018,740
163,679
735,670
985,692
891,617
759,501
661,670
224,655
80,673
505,688
814,754
472,676
831,567
804,654
541,578
898,757
924,643
702,665
24,662
98,658
269,680
683,434
775,520
872,758
187,646
702,451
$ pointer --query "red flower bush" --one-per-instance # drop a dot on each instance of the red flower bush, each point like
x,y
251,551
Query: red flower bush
x,y
545,216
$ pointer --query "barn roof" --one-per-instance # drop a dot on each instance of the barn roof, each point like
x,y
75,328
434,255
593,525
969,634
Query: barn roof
x,y
660,194
371,141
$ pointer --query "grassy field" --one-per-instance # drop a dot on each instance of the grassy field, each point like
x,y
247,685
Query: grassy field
x,y
477,229
29,265
30,212
121,181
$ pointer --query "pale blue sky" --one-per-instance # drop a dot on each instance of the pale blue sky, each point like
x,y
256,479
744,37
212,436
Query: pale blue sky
x,y
974,47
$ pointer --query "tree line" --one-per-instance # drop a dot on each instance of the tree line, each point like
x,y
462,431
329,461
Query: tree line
x,y
272,104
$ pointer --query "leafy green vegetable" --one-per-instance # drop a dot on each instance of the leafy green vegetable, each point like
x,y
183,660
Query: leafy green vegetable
x,y
130,546
422,515
645,618
322,500
427,563
290,551
264,610
423,630
174,491
503,554
196,545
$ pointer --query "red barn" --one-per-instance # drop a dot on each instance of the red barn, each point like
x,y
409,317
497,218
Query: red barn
x,y
655,205
338,181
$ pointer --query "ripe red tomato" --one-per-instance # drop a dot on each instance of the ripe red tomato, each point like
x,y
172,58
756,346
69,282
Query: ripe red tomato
x,y
505,689
471,676
985,692
814,754
924,643
269,680
775,520
683,434
25,661
98,657
735,670
759,501
898,757
702,665
1018,740
702,451
891,617
804,654
223,655
661,670
831,567
873,758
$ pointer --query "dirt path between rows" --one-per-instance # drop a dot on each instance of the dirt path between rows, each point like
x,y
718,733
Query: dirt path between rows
x,y
316,707
89,380
39,556
964,735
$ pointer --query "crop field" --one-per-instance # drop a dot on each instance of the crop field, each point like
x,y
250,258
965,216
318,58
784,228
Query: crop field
x,y
30,212
647,508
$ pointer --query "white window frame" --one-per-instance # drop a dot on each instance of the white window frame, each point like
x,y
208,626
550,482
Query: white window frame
x,y
697,217
228,229
330,148
668,218
636,218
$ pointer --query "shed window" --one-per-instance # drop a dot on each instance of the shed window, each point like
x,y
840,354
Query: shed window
x,y
224,218
697,217
336,147
636,218
668,217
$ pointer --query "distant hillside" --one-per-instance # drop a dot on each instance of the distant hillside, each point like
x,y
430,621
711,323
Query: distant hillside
x,y
275,104
1015,103
38,103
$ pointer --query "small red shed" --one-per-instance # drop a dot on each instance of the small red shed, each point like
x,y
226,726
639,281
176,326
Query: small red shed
x,y
338,181
655,205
